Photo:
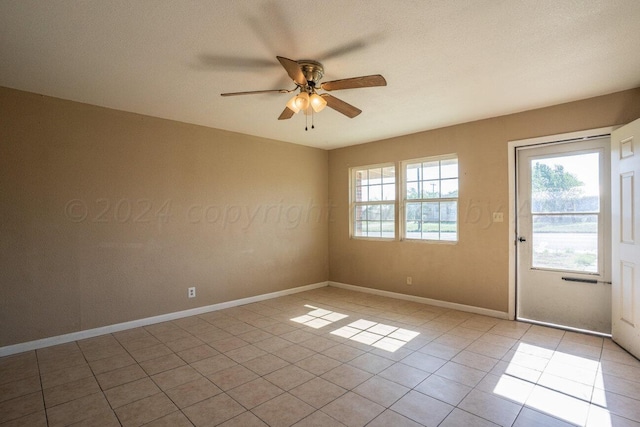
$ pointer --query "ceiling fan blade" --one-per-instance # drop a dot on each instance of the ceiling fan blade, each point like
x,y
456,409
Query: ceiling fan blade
x,y
235,63
355,82
293,69
287,113
349,47
341,106
254,92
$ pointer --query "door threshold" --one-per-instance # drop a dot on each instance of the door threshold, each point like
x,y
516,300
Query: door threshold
x,y
563,327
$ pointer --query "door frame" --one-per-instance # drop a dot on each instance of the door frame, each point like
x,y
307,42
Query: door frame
x,y
512,147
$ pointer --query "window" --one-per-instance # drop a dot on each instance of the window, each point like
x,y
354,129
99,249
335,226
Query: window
x,y
431,198
566,212
373,201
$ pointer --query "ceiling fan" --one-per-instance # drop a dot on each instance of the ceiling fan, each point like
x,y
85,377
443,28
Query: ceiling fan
x,y
306,74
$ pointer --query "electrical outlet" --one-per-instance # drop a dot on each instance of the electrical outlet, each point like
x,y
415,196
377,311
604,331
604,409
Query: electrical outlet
x,y
192,292
498,217
409,280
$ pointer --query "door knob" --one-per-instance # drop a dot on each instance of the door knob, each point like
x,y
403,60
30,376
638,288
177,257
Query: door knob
x,y
521,239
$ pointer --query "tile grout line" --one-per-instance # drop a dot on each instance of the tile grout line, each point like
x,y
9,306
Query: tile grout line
x,y
366,349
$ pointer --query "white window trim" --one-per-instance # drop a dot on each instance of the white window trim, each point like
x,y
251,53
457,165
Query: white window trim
x,y
402,200
352,202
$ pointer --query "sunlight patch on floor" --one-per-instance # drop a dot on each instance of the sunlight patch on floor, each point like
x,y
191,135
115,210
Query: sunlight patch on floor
x,y
379,335
318,317
564,387
386,337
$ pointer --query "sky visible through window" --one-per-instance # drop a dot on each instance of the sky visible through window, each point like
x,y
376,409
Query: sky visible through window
x,y
585,167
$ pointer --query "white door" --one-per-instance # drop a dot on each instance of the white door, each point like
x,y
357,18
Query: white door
x,y
563,234
625,213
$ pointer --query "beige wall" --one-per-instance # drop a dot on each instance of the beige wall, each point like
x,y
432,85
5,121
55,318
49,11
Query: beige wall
x,y
107,217
475,270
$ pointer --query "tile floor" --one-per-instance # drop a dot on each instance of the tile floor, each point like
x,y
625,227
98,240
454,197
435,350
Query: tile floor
x,y
327,357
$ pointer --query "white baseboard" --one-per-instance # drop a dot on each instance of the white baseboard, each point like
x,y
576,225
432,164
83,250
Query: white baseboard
x,y
90,333
422,300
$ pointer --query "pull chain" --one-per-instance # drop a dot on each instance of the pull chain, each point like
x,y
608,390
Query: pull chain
x,y
306,119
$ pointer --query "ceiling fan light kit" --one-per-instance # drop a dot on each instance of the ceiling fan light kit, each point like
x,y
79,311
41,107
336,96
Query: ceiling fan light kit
x,y
302,101
292,104
306,74
317,102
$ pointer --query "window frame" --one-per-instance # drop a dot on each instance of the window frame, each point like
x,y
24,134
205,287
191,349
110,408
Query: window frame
x,y
353,203
403,200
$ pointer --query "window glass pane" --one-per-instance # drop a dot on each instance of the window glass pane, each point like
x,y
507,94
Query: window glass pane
x,y
413,223
387,212
360,212
431,212
448,220
388,229
361,177
449,168
413,190
565,242
431,170
375,176
448,212
431,190
413,172
566,184
451,235
449,188
375,193
389,175
414,212
362,194
431,221
373,229
389,192
373,212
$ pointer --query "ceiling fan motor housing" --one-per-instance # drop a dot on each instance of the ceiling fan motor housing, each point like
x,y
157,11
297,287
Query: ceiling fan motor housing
x,y
312,70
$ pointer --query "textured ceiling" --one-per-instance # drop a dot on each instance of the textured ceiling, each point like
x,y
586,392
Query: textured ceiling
x,y
445,62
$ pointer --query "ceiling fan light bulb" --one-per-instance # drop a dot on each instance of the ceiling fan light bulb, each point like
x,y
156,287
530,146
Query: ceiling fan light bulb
x,y
302,101
292,105
317,102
